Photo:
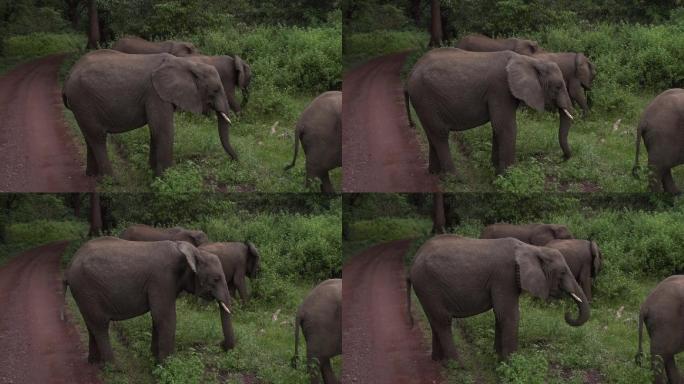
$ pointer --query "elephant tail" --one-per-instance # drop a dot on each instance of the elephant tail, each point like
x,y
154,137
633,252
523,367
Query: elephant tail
x,y
295,358
407,103
65,285
408,301
640,353
639,132
296,149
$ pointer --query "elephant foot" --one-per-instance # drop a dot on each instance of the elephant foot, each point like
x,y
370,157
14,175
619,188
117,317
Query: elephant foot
x,y
227,346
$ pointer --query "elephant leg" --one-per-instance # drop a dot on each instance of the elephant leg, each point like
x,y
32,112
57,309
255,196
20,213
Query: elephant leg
x,y
160,121
505,130
97,143
507,315
437,351
327,372
497,336
241,284
154,346
326,184
433,165
93,353
577,94
495,148
441,145
668,183
585,282
99,330
91,164
671,370
441,327
153,152
231,289
164,325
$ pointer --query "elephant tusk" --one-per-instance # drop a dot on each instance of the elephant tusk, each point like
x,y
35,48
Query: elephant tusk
x,y
568,114
225,117
571,294
225,307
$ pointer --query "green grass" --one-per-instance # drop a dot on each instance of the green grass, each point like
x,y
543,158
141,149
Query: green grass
x,y
24,48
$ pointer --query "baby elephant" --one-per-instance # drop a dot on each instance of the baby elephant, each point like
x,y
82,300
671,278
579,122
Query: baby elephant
x,y
142,232
320,317
320,130
113,279
662,128
535,234
584,259
663,314
238,260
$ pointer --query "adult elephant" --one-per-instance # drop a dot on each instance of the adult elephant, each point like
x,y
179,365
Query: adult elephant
x,y
239,260
142,232
584,259
460,277
662,313
319,128
320,317
137,45
578,74
535,234
662,129
234,72
481,43
114,92
113,279
452,89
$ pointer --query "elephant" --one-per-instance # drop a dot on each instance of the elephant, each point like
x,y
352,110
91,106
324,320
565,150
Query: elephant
x,y
481,43
662,313
662,129
137,45
320,317
114,92
584,259
578,73
535,234
238,260
453,89
233,72
142,232
455,276
113,279
319,128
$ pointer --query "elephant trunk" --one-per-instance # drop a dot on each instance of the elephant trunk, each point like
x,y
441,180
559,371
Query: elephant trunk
x,y
224,134
582,306
227,326
563,130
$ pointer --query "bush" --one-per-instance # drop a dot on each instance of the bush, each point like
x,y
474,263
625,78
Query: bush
x,y
362,46
524,368
41,44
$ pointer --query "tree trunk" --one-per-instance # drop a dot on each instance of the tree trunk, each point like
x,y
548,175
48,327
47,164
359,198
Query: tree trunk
x,y
73,13
75,203
416,11
436,24
438,217
94,26
95,215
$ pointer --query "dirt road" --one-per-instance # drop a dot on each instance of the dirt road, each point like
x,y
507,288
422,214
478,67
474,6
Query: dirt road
x,y
380,152
37,151
37,347
378,345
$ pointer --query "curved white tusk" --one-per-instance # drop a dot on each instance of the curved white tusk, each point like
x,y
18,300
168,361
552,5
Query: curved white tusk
x,y
568,114
571,294
225,308
225,117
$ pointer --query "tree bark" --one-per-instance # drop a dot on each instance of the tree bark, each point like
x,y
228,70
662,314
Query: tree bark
x,y
95,215
436,24
94,26
438,217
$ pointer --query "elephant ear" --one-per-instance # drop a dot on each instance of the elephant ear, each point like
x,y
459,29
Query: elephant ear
x,y
523,81
531,276
243,71
177,84
190,253
252,259
583,70
596,260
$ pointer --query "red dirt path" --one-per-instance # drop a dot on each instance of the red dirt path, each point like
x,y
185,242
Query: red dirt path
x,y
37,152
36,346
380,152
378,346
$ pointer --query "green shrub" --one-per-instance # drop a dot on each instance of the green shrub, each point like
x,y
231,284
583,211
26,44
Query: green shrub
x,y
41,44
184,178
181,368
362,46
524,368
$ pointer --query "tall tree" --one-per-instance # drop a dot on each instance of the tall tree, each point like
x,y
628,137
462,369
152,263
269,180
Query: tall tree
x,y
73,12
93,26
95,215
416,11
436,34
438,217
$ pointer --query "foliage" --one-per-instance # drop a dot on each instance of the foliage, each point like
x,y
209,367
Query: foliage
x,y
41,44
522,368
363,46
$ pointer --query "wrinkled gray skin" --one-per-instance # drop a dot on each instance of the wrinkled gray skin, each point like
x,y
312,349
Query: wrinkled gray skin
x,y
481,43
578,74
113,279
142,232
535,234
662,129
460,277
137,45
584,259
239,260
234,72
663,314
455,90
320,317
114,92
319,128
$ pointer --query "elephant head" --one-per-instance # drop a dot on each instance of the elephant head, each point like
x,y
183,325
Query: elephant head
x,y
596,259
180,48
543,272
526,47
209,283
193,237
542,234
244,78
584,70
195,87
253,260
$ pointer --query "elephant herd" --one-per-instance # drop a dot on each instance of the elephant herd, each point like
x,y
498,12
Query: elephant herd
x,y
138,82
146,268
455,276
485,80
